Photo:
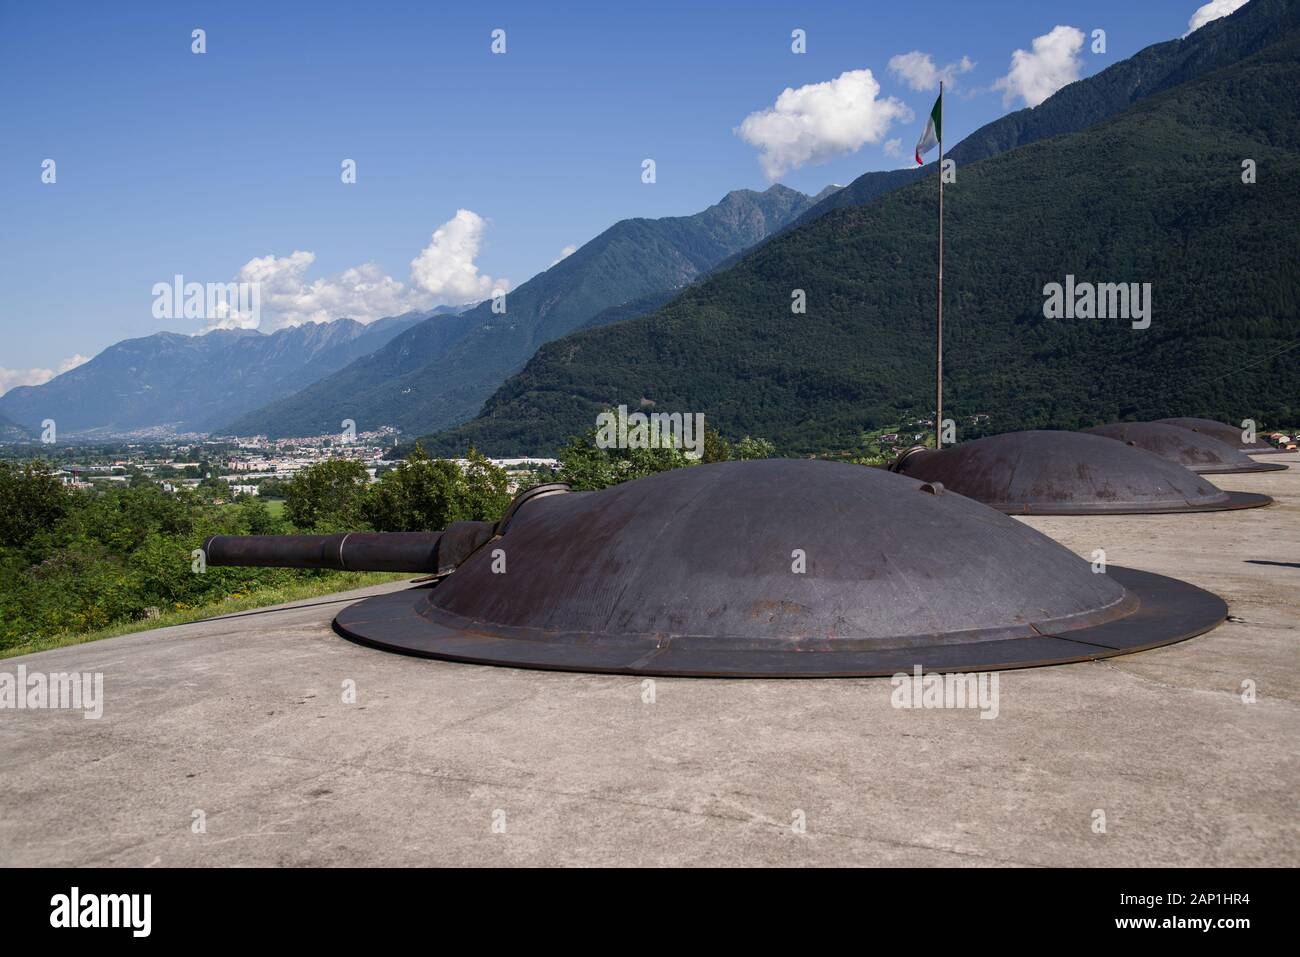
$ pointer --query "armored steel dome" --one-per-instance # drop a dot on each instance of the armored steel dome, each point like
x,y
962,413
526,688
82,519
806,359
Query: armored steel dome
x,y
1068,473
778,567
1201,453
1224,433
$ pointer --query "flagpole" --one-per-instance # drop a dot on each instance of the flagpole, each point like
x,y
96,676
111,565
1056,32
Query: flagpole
x,y
938,362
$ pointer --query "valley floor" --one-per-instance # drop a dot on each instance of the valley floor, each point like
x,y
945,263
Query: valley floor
x,y
241,718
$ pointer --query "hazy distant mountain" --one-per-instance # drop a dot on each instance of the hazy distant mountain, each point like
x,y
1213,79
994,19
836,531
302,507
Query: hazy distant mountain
x,y
439,373
1153,195
11,431
169,382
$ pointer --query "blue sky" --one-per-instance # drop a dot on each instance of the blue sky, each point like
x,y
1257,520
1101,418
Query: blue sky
x,y
171,162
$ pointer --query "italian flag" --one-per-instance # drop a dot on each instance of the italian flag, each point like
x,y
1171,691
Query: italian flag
x,y
933,131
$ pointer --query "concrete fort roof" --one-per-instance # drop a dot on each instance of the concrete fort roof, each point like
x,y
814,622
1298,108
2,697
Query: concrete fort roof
x,y
1068,473
1197,451
243,717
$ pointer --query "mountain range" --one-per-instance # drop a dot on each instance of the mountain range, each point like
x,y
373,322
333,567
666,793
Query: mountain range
x,y
415,371
465,365
168,383
679,311
439,372
1079,105
1154,194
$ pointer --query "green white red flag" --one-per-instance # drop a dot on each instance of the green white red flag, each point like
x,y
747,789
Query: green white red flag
x,y
933,131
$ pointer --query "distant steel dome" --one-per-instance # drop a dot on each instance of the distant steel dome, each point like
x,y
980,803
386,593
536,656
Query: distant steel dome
x,y
1068,473
777,568
1201,453
1224,433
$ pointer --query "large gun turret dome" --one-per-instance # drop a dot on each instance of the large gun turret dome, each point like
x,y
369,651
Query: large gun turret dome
x,y
1068,473
779,567
1197,451
1224,433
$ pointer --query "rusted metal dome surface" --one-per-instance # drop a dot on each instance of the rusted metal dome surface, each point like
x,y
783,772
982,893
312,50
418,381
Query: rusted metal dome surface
x,y
1201,453
1069,473
1224,433
778,567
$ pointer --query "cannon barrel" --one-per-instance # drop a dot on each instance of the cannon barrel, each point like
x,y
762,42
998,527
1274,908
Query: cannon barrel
x,y
347,551
426,552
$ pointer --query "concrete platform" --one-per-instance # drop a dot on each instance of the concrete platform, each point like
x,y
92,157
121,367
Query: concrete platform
x,y
242,718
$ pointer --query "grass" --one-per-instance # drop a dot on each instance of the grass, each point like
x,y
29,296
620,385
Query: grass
x,y
337,582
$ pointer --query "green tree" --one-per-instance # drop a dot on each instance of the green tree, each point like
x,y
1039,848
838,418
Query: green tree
x,y
329,493
584,466
417,495
272,487
218,490
87,559
256,517
749,448
31,499
485,487
423,493
716,448
638,463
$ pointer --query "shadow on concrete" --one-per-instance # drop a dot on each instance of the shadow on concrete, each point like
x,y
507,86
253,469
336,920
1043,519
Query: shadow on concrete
x,y
271,611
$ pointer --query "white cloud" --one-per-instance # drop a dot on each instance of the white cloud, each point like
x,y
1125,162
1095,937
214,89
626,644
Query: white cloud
x,y
918,71
1212,11
565,253
289,298
12,378
894,147
445,269
819,121
443,273
1053,63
